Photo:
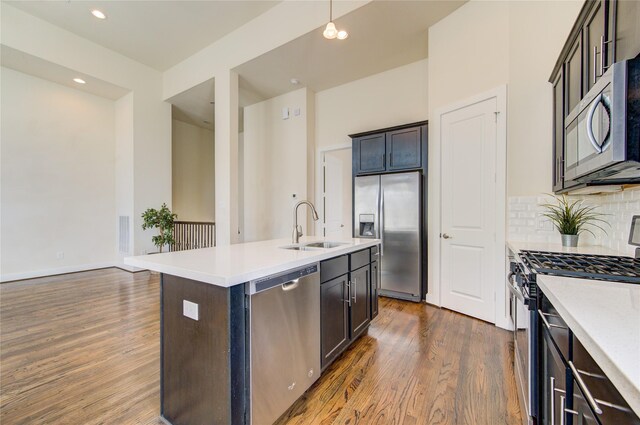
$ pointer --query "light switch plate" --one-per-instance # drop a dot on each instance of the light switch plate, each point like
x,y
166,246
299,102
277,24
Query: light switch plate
x,y
190,309
285,113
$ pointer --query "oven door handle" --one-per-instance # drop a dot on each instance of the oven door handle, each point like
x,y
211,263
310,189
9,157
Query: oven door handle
x,y
515,290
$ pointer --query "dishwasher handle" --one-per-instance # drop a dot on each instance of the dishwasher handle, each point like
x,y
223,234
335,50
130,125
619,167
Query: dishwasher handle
x,y
290,286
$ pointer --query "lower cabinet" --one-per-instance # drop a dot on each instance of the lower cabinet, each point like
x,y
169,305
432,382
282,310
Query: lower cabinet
x,y
360,305
553,387
334,322
375,285
346,302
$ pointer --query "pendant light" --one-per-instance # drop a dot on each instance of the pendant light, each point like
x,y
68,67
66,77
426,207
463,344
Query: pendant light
x,y
330,32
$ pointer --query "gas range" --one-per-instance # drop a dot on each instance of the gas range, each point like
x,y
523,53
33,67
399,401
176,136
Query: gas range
x,y
584,266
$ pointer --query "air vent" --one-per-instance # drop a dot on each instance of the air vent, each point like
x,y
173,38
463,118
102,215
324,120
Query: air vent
x,y
123,234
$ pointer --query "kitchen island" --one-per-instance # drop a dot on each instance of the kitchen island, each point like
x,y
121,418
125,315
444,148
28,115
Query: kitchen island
x,y
246,328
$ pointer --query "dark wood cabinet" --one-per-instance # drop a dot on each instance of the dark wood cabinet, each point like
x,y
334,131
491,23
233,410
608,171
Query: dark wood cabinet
x,y
606,31
404,147
390,149
558,132
573,76
334,321
370,153
345,302
596,41
624,20
360,300
553,383
375,283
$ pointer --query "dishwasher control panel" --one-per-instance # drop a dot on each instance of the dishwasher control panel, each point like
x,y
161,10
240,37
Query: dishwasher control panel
x,y
268,282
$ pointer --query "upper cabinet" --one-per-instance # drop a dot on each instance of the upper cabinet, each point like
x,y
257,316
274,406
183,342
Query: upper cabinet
x,y
391,149
624,20
371,153
605,32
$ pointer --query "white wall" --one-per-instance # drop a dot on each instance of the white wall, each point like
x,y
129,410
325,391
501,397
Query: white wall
x,y
58,178
394,97
481,46
275,166
193,172
143,119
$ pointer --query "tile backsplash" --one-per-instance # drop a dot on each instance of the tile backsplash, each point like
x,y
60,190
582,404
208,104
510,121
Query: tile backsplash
x,y
526,223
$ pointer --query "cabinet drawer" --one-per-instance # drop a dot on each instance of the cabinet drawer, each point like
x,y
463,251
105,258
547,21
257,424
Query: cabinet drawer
x,y
549,318
375,253
360,259
602,389
330,269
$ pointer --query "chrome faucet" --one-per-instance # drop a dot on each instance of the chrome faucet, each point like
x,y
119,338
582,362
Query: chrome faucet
x,y
297,230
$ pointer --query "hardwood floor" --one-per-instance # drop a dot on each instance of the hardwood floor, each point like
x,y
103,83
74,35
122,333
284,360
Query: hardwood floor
x,y
83,348
417,365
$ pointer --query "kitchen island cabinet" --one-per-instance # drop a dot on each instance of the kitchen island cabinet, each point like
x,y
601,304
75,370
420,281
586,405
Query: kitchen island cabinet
x,y
207,302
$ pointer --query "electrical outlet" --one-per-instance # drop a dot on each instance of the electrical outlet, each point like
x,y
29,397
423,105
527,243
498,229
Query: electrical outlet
x,y
60,255
190,309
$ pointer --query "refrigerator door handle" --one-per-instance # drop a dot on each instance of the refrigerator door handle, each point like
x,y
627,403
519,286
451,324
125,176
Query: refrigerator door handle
x,y
381,227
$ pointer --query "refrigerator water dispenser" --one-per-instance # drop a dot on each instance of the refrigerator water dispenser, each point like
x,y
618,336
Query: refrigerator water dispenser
x,y
367,227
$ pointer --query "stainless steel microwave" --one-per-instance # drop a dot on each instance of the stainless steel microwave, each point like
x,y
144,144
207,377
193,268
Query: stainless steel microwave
x,y
602,133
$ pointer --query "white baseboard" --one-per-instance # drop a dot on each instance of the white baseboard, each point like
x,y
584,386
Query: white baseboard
x,y
8,277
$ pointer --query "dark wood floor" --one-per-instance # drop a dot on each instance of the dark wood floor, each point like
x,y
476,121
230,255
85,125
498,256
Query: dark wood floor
x,y
83,348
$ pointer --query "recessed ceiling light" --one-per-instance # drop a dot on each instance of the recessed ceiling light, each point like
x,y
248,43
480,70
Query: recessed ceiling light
x,y
79,80
294,81
98,14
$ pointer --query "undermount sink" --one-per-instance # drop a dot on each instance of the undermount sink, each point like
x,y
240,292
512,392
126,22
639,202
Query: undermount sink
x,y
298,248
325,245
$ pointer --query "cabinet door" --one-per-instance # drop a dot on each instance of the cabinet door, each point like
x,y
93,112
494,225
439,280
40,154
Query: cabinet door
x,y
553,383
580,413
334,318
375,283
404,148
625,23
595,42
360,300
573,76
558,133
370,153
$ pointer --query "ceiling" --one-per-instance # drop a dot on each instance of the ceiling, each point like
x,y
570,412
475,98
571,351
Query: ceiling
x,y
382,35
195,106
159,34
41,68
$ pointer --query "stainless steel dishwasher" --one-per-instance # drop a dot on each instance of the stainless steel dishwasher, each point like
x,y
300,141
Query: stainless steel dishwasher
x,y
284,340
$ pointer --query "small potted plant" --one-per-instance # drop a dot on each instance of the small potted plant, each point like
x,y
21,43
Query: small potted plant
x,y
570,218
162,220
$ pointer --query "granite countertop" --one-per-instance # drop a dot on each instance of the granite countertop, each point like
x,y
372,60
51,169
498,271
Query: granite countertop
x,y
605,317
516,247
231,265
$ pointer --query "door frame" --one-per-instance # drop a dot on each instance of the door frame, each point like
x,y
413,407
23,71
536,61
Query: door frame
x,y
319,201
434,297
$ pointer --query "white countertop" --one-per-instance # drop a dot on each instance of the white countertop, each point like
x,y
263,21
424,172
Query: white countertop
x,y
605,316
516,247
234,264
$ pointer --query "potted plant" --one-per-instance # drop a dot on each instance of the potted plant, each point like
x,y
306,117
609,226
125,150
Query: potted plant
x,y
570,218
161,219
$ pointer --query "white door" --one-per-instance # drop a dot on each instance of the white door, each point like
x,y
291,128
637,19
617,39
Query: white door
x,y
336,187
468,172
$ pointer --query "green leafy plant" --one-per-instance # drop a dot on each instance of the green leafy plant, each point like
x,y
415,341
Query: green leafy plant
x,y
162,220
570,218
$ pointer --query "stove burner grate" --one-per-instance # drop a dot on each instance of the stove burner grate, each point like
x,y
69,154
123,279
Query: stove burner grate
x,y
601,267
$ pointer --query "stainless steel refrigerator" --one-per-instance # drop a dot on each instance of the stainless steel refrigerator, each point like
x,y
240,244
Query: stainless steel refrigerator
x,y
389,207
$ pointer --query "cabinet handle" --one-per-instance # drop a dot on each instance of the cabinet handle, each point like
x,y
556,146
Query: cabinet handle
x,y
563,410
587,394
355,290
348,300
595,63
546,323
603,43
391,159
554,390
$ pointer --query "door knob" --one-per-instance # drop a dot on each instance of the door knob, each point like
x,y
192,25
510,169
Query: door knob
x,y
445,236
